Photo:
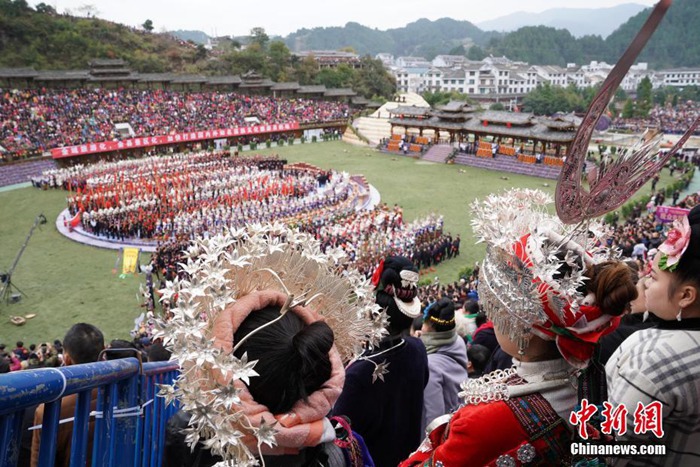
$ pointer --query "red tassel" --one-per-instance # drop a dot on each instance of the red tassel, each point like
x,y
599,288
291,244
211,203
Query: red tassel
x,y
376,277
486,123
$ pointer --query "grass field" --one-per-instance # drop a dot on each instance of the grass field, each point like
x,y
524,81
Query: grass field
x,y
66,282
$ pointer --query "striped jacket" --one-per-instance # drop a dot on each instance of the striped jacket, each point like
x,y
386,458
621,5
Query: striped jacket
x,y
661,364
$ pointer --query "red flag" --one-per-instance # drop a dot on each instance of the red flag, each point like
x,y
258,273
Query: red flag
x,y
76,220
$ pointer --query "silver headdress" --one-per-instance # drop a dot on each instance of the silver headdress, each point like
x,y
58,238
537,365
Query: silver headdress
x,y
521,281
221,271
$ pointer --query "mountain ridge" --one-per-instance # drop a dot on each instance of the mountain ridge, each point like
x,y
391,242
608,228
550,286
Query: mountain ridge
x,y
578,21
46,40
421,37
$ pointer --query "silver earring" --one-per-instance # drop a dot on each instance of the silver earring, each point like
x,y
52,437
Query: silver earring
x,y
521,352
678,316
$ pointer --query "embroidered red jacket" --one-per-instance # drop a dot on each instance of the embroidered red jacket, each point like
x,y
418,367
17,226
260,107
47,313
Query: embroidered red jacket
x,y
525,430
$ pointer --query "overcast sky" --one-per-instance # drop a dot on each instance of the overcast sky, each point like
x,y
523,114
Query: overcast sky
x,y
281,17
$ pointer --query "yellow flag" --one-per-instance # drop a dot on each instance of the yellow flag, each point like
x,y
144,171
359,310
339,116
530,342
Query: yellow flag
x,y
131,259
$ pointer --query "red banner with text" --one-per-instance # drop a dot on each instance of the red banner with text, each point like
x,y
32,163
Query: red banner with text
x,y
146,141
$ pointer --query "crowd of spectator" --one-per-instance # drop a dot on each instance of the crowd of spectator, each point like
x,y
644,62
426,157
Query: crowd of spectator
x,y
45,354
669,119
36,120
460,292
639,236
50,354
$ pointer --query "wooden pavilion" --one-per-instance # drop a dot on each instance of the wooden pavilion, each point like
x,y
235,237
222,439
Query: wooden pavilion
x,y
514,133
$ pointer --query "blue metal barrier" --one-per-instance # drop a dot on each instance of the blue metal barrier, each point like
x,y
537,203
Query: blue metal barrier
x,y
129,418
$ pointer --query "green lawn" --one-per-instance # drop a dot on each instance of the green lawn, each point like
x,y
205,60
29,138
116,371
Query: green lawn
x,y
67,282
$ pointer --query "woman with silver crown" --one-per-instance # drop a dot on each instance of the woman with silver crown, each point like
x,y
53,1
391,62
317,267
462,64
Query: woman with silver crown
x,y
262,327
551,295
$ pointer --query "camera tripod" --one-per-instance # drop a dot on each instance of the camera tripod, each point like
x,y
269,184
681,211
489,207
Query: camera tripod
x,y
6,293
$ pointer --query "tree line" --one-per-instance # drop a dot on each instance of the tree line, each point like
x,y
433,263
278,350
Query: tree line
x,y
41,38
676,43
548,100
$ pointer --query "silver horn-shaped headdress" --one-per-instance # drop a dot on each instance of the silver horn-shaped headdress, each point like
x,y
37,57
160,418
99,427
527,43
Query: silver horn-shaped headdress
x,y
612,185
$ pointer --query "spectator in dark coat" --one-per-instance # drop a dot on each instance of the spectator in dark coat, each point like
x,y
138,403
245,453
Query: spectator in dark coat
x,y
478,357
383,391
484,334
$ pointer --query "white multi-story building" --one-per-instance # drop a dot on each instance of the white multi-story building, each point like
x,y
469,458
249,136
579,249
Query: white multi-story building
x,y
471,78
453,80
577,76
518,81
498,76
680,77
552,74
410,79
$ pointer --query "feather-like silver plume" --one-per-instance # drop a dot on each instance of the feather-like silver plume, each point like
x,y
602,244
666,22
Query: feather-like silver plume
x,y
615,182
